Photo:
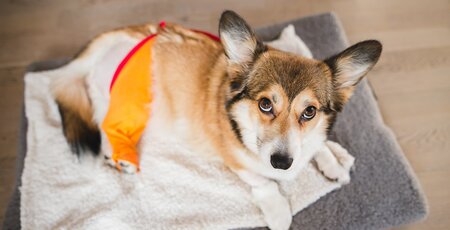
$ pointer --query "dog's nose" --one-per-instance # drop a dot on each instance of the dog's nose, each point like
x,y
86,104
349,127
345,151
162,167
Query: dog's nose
x,y
281,161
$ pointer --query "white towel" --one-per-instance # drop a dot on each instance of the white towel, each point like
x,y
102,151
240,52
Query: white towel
x,y
176,189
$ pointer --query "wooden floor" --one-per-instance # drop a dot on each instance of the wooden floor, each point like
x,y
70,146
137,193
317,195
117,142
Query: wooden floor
x,y
412,80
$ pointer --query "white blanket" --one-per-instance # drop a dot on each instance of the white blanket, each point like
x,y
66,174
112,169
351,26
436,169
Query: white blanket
x,y
176,189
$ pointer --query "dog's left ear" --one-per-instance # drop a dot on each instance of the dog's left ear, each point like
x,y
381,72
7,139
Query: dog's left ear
x,y
238,39
352,64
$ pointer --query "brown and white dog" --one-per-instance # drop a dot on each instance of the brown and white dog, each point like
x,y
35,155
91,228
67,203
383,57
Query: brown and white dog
x,y
264,111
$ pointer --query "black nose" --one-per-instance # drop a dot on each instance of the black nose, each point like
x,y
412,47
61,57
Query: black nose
x,y
281,161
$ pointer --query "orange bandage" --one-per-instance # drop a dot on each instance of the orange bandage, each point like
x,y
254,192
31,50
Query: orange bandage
x,y
129,108
131,96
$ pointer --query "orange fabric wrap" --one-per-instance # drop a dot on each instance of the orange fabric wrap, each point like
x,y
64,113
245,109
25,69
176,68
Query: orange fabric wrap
x,y
130,98
129,108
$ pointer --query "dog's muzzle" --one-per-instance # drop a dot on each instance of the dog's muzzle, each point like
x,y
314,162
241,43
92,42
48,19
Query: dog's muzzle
x,y
281,161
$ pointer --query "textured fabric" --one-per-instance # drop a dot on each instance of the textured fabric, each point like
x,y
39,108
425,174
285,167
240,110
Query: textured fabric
x,y
12,214
383,192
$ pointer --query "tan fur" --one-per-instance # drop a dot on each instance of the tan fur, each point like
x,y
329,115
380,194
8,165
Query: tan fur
x,y
280,109
307,98
194,87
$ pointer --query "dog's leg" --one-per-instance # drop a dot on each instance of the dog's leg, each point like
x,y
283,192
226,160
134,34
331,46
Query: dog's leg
x,y
342,155
109,50
332,166
274,206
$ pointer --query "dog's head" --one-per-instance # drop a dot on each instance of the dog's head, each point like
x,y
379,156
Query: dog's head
x,y
281,105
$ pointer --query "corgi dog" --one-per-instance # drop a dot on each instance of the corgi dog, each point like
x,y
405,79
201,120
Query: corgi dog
x,y
264,111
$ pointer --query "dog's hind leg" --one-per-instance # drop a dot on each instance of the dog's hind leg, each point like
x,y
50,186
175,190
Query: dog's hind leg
x,y
113,49
81,91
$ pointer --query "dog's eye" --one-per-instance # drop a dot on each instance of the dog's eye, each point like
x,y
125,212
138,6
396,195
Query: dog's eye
x,y
265,105
309,113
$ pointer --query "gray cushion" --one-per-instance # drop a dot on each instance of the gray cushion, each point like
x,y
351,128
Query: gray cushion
x,y
383,191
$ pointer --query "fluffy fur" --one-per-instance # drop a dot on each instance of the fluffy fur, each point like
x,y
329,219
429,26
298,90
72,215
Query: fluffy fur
x,y
212,95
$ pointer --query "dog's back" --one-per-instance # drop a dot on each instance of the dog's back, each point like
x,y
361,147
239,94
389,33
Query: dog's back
x,y
188,71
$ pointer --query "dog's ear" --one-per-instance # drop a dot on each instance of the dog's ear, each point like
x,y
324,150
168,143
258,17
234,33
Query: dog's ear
x,y
238,39
350,66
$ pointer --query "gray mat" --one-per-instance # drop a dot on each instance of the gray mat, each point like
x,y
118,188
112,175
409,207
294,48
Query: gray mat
x,y
383,192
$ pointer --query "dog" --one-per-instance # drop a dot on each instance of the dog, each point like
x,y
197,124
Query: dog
x,y
265,112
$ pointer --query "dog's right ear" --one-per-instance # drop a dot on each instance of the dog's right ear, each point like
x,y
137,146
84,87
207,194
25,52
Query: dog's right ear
x,y
238,39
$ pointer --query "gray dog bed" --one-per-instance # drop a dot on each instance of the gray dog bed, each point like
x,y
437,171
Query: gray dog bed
x,y
383,192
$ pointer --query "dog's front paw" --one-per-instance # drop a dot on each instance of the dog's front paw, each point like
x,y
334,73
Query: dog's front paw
x,y
336,172
335,163
275,207
280,217
342,155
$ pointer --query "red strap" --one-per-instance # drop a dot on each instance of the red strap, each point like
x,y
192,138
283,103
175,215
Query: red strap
x,y
129,55
162,24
